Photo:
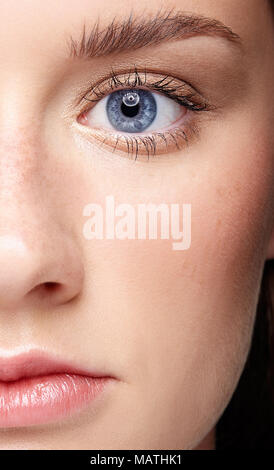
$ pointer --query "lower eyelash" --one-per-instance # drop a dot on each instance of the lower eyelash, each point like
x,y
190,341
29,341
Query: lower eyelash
x,y
148,144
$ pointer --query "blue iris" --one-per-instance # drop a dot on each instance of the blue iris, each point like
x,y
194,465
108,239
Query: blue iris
x,y
131,110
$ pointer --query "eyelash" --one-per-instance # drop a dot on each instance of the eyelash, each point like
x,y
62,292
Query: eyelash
x,y
192,101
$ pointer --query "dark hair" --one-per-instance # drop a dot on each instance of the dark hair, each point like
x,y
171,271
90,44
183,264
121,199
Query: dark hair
x,y
248,421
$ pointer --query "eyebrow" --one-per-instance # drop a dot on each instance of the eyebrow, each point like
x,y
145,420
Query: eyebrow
x,y
134,33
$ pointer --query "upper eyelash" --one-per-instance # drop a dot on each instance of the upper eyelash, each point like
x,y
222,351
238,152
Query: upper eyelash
x,y
162,85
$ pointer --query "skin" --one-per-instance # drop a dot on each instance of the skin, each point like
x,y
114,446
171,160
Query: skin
x,y
174,327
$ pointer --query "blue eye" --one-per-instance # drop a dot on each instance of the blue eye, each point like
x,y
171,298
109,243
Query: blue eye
x,y
149,115
134,111
131,111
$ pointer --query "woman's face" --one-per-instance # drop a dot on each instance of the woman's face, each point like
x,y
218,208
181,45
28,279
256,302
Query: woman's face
x,y
171,327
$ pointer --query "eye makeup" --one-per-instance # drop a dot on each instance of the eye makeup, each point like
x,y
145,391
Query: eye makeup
x,y
159,141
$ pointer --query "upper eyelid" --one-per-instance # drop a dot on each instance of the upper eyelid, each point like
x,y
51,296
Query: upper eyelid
x,y
117,74
160,78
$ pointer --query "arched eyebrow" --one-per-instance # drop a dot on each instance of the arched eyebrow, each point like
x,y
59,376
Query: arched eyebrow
x,y
134,33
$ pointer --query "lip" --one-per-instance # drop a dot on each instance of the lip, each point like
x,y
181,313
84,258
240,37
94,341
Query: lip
x,y
36,388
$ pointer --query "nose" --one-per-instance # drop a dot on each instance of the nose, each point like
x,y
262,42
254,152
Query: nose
x,y
41,272
40,253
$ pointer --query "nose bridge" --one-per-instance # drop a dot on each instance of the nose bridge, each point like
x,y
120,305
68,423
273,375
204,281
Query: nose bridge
x,y
24,95
21,189
17,148
19,175
22,222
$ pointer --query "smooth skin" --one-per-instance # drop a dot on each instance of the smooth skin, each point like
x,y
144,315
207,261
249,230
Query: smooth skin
x,y
174,327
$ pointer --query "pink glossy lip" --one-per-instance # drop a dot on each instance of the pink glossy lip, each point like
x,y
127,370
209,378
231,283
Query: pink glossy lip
x,y
38,389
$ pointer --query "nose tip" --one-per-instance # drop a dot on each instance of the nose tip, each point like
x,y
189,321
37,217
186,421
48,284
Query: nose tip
x,y
53,276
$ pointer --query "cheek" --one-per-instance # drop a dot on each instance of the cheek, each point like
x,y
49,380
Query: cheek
x,y
187,317
180,323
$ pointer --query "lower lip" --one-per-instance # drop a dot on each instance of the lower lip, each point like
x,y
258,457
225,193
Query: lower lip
x,y
40,400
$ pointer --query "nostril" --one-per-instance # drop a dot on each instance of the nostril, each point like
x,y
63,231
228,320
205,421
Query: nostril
x,y
46,289
51,286
52,293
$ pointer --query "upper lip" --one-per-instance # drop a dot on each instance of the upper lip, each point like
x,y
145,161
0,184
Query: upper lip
x,y
38,363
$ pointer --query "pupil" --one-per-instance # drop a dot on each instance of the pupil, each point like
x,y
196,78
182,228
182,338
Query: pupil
x,y
129,111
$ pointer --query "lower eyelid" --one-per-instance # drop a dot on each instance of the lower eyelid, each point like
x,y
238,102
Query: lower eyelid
x,y
146,145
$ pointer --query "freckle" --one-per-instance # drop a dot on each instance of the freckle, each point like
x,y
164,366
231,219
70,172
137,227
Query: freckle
x,y
220,191
237,186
